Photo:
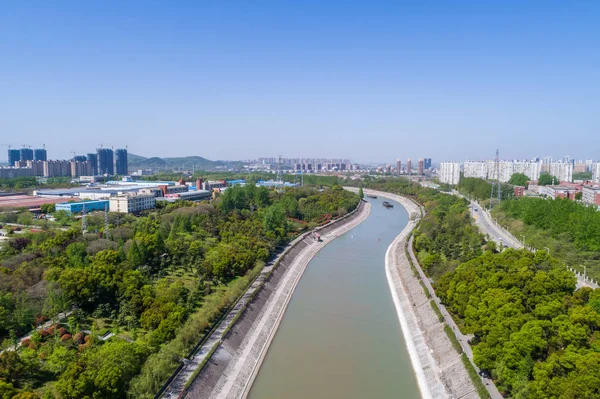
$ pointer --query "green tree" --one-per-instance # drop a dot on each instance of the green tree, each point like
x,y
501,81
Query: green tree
x,y
546,179
360,193
519,179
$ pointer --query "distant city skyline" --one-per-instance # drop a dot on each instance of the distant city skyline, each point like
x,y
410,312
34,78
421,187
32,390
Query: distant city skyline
x,y
369,82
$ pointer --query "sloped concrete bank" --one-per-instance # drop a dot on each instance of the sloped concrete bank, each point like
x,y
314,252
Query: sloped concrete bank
x,y
235,363
438,367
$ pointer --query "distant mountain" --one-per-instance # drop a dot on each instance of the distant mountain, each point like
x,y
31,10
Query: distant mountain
x,y
140,162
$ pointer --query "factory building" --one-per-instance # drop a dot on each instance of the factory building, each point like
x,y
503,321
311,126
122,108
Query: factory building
x,y
77,207
132,203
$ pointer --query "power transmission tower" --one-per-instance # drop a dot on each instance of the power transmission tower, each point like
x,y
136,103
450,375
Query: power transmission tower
x,y
106,221
279,179
84,224
497,182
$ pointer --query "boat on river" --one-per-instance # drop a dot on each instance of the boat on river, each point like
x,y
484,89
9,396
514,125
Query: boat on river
x,y
387,204
372,196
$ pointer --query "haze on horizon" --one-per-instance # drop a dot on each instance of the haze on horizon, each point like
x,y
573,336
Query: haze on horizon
x,y
367,81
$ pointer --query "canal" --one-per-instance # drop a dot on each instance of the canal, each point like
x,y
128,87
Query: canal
x,y
340,336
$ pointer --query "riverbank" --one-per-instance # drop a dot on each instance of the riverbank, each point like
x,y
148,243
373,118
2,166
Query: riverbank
x,y
237,359
437,365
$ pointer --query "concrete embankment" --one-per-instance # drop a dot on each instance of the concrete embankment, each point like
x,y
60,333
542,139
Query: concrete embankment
x,y
235,363
437,365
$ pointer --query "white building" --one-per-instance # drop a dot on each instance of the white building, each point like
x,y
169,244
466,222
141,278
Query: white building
x,y
529,169
132,203
562,170
596,172
449,172
591,195
476,169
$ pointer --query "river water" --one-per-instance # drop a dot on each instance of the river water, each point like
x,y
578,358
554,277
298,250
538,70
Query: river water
x,y
340,336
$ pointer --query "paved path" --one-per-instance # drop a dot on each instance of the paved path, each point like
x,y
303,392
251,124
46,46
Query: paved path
x,y
177,385
438,366
462,338
489,226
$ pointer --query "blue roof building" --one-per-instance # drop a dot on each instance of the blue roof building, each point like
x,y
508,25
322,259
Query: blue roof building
x,y
77,207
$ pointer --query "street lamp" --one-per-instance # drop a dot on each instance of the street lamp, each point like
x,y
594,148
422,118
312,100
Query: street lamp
x,y
547,249
523,240
584,273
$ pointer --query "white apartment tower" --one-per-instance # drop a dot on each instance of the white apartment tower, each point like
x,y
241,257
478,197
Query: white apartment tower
x,y
450,172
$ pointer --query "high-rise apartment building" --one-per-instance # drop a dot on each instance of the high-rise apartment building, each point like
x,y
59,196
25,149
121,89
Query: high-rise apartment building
x,y
40,154
26,154
450,173
105,162
398,166
477,169
121,162
79,158
408,166
562,170
14,156
596,172
93,160
421,166
427,163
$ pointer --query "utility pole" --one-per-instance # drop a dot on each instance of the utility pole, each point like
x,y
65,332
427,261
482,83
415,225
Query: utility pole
x,y
106,221
84,224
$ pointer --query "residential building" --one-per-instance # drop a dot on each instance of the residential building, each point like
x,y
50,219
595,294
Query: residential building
x,y
398,166
132,203
561,191
10,172
388,168
450,173
427,163
26,154
528,168
408,166
56,168
93,160
476,169
121,162
105,161
77,207
519,191
562,170
79,168
14,156
421,166
591,195
40,154
596,172
580,167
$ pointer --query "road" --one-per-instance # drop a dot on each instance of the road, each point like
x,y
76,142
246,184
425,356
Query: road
x,y
499,234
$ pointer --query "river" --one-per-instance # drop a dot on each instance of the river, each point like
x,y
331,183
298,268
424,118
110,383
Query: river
x,y
340,336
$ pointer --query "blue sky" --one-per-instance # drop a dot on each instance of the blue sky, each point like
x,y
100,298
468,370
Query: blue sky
x,y
371,81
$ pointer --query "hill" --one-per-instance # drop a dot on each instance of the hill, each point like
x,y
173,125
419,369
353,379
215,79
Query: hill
x,y
197,162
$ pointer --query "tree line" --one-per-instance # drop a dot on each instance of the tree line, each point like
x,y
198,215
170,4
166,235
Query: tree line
x,y
157,283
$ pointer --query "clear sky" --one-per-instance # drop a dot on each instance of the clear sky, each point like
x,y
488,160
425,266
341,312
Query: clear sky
x,y
370,80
